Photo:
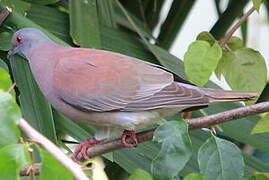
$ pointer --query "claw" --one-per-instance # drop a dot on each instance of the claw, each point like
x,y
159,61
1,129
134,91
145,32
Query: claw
x,y
132,135
82,148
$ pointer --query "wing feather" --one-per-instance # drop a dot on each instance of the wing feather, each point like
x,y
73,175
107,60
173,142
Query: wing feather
x,y
94,81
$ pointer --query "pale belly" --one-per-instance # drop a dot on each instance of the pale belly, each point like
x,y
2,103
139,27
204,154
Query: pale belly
x,y
119,119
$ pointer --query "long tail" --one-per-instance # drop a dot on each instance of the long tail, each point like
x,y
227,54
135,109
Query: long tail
x,y
228,96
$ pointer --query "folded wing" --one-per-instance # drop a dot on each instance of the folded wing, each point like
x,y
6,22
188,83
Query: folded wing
x,y
96,80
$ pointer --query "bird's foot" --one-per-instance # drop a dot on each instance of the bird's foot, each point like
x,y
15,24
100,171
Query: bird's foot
x,y
131,134
82,149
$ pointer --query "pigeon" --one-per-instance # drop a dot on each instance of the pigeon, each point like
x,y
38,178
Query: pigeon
x,y
114,92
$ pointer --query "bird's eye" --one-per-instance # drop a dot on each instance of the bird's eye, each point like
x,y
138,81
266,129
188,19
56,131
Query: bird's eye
x,y
19,40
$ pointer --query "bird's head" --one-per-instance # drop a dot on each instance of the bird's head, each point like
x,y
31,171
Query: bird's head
x,y
24,39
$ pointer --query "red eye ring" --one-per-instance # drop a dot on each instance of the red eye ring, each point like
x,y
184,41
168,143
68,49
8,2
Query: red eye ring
x,y
18,39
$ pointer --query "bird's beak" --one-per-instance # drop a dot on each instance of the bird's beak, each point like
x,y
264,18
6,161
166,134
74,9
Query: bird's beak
x,y
12,51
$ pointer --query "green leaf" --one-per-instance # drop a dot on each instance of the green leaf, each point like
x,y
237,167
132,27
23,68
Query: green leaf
x,y
166,59
175,149
106,12
259,176
206,36
227,18
257,4
84,25
220,159
3,65
42,2
57,22
5,81
173,23
140,174
13,158
201,60
245,70
35,108
71,128
194,176
262,125
9,117
235,43
5,38
223,64
16,5
51,168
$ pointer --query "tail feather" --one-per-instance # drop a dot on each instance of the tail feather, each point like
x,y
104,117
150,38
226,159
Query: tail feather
x,y
229,96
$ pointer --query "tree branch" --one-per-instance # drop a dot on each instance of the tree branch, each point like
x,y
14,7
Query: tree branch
x,y
229,34
35,136
196,123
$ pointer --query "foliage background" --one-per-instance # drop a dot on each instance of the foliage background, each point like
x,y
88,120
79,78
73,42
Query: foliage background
x,y
126,27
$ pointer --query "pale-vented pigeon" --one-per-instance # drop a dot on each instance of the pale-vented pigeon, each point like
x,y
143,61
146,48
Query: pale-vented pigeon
x,y
112,91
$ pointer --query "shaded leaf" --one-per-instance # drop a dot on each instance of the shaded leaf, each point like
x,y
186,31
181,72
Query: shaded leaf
x,y
13,157
9,117
51,168
220,159
223,65
106,12
194,176
5,81
84,25
262,125
71,128
57,22
175,149
140,174
42,2
5,38
224,22
16,5
201,60
173,22
4,65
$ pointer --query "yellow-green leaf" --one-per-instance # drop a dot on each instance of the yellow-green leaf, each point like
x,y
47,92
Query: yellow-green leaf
x,y
9,116
5,81
13,157
201,60
257,4
259,176
262,125
52,169
140,174
194,176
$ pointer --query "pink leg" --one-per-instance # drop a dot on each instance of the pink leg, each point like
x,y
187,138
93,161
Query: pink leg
x,y
125,135
83,147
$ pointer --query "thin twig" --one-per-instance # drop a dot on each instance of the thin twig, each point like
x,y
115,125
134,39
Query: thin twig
x,y
31,133
11,88
229,34
25,171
